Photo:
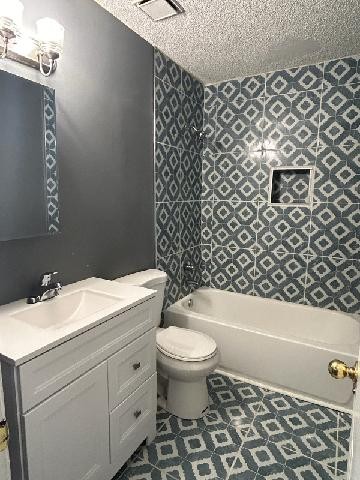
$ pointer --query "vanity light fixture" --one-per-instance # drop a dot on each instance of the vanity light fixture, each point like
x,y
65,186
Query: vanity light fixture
x,y
11,13
46,47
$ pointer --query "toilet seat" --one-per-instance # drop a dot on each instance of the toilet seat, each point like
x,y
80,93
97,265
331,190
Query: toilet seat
x,y
185,345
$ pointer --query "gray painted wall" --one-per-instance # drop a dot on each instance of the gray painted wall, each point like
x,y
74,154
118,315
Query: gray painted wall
x,y
104,91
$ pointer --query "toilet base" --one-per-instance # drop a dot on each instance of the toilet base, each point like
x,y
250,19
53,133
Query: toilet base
x,y
182,386
188,400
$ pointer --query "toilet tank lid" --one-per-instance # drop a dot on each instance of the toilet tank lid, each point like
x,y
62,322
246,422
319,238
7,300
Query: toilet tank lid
x,y
146,278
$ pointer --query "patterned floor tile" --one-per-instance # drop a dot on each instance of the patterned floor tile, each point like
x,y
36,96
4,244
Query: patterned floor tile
x,y
249,433
308,470
166,450
223,439
161,416
143,472
241,471
271,429
264,459
205,466
195,441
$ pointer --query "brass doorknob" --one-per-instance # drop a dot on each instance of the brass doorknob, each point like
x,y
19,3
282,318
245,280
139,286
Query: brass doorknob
x,y
4,435
340,370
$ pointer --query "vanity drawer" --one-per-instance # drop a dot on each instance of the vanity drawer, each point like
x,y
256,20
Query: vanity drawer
x,y
129,368
131,419
48,373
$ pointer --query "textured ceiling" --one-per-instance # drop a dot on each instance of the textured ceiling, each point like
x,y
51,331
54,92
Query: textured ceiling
x,y
222,39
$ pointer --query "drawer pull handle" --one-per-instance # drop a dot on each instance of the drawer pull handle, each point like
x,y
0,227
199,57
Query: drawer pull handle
x,y
136,366
137,413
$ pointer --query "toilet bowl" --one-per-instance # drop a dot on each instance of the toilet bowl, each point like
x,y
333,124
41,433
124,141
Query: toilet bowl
x,y
184,357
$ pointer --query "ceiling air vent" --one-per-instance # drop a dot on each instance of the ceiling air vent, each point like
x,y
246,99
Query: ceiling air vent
x,y
159,9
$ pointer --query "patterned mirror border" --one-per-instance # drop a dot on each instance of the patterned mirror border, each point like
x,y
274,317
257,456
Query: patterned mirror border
x,y
51,170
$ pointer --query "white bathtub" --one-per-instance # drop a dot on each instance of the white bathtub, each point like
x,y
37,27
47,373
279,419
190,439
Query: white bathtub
x,y
277,344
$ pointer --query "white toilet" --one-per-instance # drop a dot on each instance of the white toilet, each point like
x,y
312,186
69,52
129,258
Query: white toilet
x,y
184,357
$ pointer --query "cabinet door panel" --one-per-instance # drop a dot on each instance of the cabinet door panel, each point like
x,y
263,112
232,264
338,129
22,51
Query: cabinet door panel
x,y
67,436
129,368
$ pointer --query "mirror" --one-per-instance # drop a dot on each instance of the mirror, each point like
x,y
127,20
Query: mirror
x,y
29,194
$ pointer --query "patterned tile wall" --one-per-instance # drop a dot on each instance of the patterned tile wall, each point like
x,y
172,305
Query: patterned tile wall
x,y
178,169
51,170
307,116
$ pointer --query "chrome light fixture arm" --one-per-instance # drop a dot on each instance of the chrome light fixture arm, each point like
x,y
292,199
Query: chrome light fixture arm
x,y
47,67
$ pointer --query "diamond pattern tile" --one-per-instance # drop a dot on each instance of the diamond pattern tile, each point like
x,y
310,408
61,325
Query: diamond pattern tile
x,y
305,116
170,122
343,71
284,438
294,80
179,111
337,176
280,276
232,270
283,229
335,232
172,266
334,283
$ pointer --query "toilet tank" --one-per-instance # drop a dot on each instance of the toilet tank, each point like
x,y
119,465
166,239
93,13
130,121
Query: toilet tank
x,y
153,279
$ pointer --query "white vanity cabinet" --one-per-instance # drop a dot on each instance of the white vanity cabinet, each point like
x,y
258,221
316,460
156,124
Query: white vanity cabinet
x,y
67,435
79,410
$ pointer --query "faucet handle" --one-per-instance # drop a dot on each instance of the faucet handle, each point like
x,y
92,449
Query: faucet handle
x,y
189,267
46,278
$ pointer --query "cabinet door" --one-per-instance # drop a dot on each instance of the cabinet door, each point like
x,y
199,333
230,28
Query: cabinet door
x,y
67,436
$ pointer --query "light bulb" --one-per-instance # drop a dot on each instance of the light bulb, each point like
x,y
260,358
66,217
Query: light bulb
x,y
50,34
11,13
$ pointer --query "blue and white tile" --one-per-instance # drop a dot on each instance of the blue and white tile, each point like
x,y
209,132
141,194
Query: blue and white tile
x,y
334,231
172,266
167,228
294,80
333,283
280,276
342,71
167,173
169,123
337,177
283,228
190,224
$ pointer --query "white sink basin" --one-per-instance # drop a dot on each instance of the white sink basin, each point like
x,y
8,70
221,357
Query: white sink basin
x,y
62,310
27,331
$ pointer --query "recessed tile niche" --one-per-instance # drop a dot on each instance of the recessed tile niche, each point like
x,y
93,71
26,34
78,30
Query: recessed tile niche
x,y
291,186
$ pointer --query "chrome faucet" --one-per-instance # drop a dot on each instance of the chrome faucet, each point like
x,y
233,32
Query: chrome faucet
x,y
47,288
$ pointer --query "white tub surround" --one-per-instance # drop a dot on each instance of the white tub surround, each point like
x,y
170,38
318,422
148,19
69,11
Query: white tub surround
x,y
282,345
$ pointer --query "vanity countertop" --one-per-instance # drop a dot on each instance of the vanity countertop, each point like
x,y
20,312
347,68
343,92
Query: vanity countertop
x,y
21,339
